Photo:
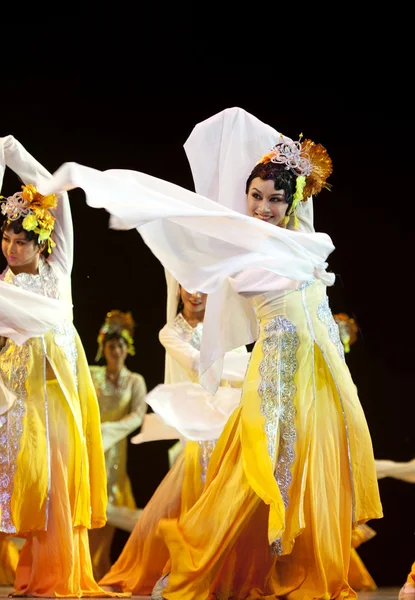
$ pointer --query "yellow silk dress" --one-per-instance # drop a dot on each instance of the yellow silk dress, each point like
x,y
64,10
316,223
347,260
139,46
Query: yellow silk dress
x,y
290,474
122,408
145,556
52,471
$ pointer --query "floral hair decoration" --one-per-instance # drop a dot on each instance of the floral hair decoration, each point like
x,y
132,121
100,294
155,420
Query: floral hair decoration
x,y
310,163
34,209
348,330
120,323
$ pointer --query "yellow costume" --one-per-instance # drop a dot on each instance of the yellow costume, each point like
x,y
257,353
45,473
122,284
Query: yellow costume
x,y
277,473
145,556
52,470
359,577
293,470
122,408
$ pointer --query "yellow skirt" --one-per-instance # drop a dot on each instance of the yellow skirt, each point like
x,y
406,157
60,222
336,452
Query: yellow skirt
x,y
145,556
56,562
221,546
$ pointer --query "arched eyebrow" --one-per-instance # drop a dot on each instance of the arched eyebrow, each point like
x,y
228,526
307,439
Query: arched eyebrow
x,y
275,192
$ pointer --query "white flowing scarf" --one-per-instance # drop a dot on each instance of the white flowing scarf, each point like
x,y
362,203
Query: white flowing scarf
x,y
201,243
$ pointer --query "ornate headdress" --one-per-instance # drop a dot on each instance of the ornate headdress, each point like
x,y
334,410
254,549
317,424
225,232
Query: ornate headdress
x,y
348,330
120,323
35,211
310,163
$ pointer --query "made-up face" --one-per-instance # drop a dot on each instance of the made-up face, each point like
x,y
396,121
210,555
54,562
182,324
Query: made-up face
x,y
22,255
265,202
193,303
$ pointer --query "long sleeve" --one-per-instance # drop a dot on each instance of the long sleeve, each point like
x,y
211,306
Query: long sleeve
x,y
115,431
29,170
234,366
24,314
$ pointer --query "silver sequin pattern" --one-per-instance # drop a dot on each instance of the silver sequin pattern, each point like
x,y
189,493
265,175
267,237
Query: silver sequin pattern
x,y
14,361
277,391
44,284
190,334
65,336
325,315
13,369
205,448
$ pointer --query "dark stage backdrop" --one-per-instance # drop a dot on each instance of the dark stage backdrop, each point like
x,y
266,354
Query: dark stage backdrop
x,y
369,215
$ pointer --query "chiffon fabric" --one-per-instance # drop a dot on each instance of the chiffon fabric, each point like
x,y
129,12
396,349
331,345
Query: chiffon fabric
x,y
145,558
122,408
293,470
52,471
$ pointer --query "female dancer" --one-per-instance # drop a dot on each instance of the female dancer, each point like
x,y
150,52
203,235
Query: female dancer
x,y
52,472
144,558
121,397
293,470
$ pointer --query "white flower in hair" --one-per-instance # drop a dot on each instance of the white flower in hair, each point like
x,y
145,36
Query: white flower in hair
x,y
15,207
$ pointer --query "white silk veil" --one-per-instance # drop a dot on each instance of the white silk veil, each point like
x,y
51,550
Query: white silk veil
x,y
200,241
222,152
24,314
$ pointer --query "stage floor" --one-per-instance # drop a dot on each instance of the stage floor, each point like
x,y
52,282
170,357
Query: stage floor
x,y
381,594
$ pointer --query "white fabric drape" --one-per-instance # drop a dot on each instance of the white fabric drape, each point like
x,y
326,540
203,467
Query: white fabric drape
x,y
201,243
24,314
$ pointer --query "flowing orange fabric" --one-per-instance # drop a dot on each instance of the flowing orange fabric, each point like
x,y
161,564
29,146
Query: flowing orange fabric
x,y
57,562
411,576
145,556
9,556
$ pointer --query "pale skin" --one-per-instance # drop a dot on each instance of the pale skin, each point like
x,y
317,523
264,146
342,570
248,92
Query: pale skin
x,y
194,306
265,202
22,256
115,354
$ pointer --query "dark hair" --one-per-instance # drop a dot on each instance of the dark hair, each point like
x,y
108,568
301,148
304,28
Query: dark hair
x,y
180,305
113,335
284,179
17,227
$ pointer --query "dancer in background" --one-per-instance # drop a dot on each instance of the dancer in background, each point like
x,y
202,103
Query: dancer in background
x,y
121,397
299,434
144,558
52,471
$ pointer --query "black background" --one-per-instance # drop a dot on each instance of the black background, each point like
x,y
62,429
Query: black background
x,y
369,215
